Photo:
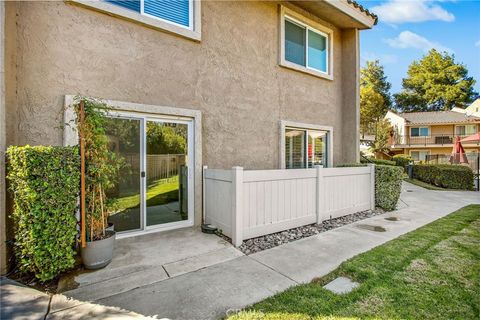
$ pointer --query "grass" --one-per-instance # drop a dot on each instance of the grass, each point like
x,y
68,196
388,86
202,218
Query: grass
x,y
426,185
430,273
160,192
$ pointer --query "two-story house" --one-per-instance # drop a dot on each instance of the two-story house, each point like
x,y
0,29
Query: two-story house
x,y
420,134
262,85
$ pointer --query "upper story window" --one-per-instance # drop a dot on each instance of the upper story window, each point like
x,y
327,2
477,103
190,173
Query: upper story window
x,y
465,130
305,45
181,17
419,132
174,11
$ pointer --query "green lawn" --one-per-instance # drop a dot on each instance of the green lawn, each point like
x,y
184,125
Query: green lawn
x,y
425,185
430,273
160,192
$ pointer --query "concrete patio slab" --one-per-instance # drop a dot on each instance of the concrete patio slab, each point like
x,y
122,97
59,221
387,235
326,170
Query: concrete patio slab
x,y
198,262
94,312
143,260
204,294
106,288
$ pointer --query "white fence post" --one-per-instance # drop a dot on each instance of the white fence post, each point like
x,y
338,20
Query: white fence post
x,y
319,194
204,192
372,186
237,200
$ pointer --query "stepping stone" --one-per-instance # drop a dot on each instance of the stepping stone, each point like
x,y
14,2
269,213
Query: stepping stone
x,y
341,285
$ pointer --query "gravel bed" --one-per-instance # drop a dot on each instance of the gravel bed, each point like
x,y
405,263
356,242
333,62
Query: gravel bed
x,y
275,239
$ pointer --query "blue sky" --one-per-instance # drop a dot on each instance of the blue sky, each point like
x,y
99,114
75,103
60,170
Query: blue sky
x,y
407,29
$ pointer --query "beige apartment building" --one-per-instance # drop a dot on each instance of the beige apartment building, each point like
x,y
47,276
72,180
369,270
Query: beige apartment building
x,y
423,134
257,84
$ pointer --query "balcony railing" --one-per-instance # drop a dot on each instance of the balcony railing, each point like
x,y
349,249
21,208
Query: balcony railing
x,y
434,139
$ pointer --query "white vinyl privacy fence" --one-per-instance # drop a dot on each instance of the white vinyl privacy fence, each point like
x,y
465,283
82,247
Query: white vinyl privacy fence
x,y
251,203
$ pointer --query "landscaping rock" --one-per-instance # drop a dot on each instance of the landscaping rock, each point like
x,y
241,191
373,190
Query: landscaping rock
x,y
276,239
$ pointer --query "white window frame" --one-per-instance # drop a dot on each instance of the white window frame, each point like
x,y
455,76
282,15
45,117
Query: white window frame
x,y
305,126
296,18
419,128
193,31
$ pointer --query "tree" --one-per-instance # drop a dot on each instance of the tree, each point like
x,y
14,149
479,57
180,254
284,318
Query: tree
x,y
436,82
371,105
374,75
375,99
382,136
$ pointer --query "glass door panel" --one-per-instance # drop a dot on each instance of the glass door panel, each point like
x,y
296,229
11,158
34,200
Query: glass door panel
x,y
294,148
166,172
317,148
124,140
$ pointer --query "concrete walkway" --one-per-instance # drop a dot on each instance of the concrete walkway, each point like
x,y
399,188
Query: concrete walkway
x,y
20,302
215,289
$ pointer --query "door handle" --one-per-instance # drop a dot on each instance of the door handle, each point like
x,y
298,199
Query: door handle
x,y
142,174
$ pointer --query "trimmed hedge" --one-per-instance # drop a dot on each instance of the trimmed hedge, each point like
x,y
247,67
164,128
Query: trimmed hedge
x,y
44,182
346,165
388,185
402,160
445,175
379,161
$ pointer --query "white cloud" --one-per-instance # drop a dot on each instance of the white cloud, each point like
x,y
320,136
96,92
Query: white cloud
x,y
401,11
383,58
477,44
408,39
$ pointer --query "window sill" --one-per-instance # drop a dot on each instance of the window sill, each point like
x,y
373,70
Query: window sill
x,y
126,14
318,74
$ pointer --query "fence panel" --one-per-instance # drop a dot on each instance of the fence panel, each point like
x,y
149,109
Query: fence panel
x,y
346,191
218,202
248,204
275,200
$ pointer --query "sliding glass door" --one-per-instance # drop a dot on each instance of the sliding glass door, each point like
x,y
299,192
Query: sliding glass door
x,y
154,186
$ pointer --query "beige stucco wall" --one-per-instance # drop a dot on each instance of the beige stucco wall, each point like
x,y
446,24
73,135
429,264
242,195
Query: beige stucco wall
x,y
232,76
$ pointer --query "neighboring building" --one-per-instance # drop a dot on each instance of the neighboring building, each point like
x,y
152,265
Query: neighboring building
x,y
474,108
262,85
420,134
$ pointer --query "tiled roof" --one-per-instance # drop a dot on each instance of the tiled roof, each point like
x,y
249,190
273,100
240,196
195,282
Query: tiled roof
x,y
363,9
437,117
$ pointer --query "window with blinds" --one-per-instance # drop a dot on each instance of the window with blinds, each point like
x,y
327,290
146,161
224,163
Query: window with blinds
x,y
305,148
174,11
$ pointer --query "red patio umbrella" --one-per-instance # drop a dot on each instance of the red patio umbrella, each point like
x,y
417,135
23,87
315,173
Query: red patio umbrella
x,y
472,138
458,153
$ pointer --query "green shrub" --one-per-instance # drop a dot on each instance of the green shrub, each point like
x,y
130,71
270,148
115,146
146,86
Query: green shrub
x,y
44,182
445,175
388,185
379,161
402,160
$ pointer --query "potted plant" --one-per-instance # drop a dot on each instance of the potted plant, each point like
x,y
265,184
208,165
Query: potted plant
x,y
101,173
